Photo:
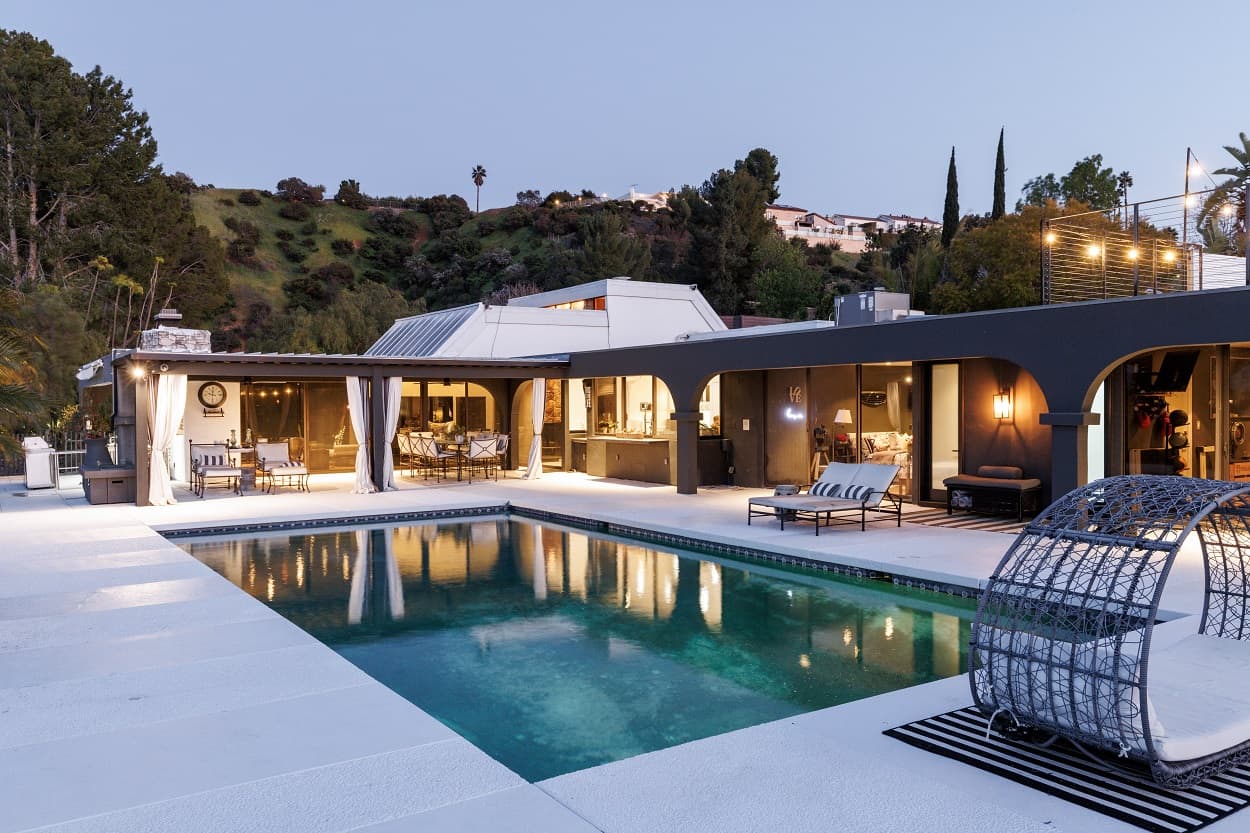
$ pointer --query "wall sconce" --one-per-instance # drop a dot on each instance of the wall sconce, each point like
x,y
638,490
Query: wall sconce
x,y
1002,405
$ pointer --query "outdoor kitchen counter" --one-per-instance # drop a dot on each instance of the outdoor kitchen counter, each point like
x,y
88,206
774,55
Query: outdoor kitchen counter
x,y
629,458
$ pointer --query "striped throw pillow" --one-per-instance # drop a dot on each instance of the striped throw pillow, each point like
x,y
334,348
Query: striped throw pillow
x,y
857,492
825,489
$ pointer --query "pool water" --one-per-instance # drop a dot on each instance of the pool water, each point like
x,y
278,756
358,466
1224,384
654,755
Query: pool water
x,y
554,649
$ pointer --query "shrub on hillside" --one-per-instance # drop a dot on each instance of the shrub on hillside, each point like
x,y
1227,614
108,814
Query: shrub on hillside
x,y
181,183
294,189
308,243
446,211
394,223
240,251
296,211
291,253
284,234
309,228
249,198
516,219
318,289
226,201
485,228
342,247
242,229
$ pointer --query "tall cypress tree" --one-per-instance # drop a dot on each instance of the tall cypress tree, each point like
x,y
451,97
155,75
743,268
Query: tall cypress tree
x,y
950,215
1000,181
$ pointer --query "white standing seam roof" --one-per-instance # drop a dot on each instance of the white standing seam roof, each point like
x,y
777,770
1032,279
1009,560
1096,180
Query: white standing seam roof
x,y
422,335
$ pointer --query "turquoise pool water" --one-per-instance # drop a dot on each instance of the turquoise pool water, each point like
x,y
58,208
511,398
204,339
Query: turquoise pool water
x,y
554,649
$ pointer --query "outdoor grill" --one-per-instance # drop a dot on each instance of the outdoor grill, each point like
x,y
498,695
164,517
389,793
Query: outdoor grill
x,y
103,481
40,466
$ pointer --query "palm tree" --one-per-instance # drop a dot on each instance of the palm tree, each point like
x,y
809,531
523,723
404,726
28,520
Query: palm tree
x,y
1225,206
479,176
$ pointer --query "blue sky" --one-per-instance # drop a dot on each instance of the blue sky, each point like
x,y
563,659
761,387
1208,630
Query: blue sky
x,y
860,101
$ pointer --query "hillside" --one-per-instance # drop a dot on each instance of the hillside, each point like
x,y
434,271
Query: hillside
x,y
299,265
266,271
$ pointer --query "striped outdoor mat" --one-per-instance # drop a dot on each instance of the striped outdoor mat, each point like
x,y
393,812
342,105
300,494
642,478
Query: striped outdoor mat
x,y
1062,771
964,520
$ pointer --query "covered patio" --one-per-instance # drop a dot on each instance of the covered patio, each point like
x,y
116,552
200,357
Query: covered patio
x,y
337,415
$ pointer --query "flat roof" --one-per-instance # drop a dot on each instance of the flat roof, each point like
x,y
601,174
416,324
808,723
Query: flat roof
x,y
331,364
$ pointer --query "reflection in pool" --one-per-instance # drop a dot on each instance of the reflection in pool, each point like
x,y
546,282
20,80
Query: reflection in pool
x,y
554,649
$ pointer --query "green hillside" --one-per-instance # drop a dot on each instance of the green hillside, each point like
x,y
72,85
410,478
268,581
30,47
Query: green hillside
x,y
266,271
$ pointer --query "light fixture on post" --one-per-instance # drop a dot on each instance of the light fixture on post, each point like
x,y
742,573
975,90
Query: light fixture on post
x,y
1002,405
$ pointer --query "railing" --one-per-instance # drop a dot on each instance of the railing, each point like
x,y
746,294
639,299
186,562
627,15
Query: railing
x,y
1176,244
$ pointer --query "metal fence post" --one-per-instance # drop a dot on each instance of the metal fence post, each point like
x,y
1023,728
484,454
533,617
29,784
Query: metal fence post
x,y
1136,241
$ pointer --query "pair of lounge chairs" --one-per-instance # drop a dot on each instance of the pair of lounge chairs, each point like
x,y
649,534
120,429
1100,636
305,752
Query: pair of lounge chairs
x,y
843,489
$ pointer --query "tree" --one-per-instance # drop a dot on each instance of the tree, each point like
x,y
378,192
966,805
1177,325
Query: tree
x,y
786,285
294,189
762,165
529,198
1000,180
1222,218
349,195
76,155
609,250
950,213
1038,191
479,176
727,224
1089,182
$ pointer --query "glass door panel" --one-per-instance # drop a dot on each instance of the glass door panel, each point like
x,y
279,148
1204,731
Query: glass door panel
x,y
943,427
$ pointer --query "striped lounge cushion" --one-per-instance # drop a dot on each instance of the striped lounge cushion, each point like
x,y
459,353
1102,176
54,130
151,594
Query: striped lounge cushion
x,y
823,488
857,492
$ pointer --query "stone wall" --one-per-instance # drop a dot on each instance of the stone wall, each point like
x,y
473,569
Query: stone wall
x,y
175,340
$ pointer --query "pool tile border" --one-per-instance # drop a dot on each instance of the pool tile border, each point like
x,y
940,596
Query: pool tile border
x,y
641,533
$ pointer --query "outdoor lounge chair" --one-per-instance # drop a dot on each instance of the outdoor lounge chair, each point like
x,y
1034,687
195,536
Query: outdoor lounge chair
x,y
211,461
276,467
1064,633
843,489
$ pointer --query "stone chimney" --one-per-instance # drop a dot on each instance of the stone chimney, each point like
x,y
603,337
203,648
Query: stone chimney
x,y
168,337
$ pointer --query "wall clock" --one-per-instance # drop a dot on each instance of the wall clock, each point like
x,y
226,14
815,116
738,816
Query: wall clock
x,y
212,394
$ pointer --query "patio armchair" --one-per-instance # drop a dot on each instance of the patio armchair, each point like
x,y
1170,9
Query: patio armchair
x,y
407,453
484,454
212,461
274,463
435,457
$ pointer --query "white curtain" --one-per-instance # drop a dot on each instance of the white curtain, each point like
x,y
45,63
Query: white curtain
x,y
540,565
539,401
171,400
360,577
394,585
390,415
358,407
894,405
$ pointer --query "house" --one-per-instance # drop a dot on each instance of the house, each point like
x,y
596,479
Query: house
x,y
643,382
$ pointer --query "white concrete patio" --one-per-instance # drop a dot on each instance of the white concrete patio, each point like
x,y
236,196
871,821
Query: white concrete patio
x,y
141,691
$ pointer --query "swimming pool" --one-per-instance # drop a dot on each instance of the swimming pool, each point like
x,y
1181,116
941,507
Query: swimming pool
x,y
554,649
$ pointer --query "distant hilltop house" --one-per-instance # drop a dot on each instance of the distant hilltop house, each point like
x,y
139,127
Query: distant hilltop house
x,y
657,200
849,231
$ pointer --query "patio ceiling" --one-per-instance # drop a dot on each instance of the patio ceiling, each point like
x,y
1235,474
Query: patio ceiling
x,y
310,365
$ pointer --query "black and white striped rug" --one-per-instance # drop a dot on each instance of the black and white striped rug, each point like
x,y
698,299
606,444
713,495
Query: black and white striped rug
x,y
964,520
1062,771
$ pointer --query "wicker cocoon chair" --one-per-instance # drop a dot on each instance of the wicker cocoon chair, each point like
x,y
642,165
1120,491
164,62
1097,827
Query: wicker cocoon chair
x,y
1061,642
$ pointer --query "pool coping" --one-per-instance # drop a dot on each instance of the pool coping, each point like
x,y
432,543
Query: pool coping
x,y
647,534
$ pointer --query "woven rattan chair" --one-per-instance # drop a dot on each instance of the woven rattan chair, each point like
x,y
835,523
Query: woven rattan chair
x,y
1062,638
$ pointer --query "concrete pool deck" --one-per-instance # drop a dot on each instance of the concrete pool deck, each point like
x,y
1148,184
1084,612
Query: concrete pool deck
x,y
141,691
